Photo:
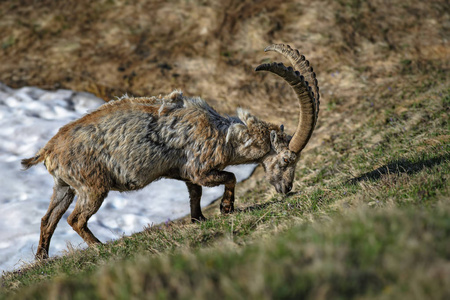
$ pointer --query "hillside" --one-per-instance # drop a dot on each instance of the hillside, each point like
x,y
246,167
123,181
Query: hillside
x,y
369,215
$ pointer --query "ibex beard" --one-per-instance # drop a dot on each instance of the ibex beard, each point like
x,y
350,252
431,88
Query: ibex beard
x,y
126,144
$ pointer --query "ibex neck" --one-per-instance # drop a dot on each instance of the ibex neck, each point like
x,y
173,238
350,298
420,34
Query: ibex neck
x,y
251,144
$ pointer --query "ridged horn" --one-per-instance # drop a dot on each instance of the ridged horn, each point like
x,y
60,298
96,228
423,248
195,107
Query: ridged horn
x,y
300,64
308,97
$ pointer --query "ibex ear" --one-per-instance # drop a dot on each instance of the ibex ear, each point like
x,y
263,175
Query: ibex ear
x,y
247,118
274,141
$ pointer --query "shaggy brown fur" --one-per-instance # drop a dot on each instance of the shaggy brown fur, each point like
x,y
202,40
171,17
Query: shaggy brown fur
x,y
126,144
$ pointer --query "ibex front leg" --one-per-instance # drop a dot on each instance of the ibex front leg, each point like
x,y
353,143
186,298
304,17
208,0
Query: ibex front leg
x,y
195,194
215,178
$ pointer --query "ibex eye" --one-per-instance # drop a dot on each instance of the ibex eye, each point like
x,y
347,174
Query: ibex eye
x,y
286,160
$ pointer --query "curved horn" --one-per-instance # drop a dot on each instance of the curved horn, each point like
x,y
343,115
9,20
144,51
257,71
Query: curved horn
x,y
300,64
309,104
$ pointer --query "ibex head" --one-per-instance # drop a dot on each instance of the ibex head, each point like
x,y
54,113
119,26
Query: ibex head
x,y
280,163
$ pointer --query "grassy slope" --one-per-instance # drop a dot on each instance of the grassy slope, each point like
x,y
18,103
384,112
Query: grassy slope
x,y
370,217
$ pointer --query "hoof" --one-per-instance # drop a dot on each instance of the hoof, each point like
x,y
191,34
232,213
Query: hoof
x,y
41,255
226,209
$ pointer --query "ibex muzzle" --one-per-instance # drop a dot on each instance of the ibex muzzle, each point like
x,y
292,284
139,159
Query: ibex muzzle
x,y
128,143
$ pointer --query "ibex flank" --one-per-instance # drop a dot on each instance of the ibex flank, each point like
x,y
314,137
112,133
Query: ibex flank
x,y
126,144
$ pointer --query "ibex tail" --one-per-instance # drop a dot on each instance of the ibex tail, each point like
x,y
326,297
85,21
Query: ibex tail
x,y
29,162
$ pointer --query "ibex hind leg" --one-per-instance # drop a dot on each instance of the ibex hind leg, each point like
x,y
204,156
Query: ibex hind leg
x,y
87,205
61,199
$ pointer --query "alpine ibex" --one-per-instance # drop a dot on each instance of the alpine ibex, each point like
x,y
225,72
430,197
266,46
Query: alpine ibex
x,y
128,143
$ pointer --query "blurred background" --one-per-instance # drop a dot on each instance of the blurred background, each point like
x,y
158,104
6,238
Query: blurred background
x,y
210,48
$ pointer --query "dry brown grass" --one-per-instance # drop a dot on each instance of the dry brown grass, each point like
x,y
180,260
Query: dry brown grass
x,y
209,48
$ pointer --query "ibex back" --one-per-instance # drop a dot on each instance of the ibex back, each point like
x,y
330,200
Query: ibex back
x,y
128,143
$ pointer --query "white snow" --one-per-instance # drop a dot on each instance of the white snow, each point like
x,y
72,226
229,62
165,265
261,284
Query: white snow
x,y
29,117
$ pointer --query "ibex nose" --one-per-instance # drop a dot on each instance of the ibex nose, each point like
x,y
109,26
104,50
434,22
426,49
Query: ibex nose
x,y
288,188
285,189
